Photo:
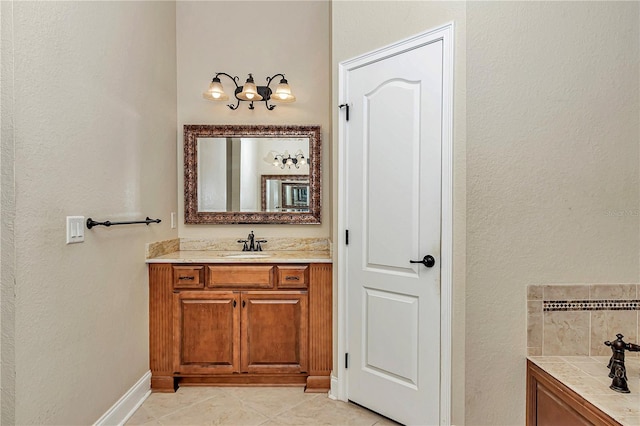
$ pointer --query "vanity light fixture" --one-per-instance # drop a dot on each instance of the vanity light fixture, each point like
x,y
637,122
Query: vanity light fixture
x,y
250,92
281,161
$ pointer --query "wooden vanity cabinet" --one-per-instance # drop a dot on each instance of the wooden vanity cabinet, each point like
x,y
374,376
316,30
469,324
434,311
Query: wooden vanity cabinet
x,y
206,336
240,325
551,403
274,332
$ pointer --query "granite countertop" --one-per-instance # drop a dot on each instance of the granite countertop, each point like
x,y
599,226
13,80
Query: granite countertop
x,y
222,256
279,250
589,377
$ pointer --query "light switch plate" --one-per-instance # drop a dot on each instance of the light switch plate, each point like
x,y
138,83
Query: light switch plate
x,y
75,229
173,220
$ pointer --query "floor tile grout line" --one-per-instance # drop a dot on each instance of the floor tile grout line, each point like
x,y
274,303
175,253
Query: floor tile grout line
x,y
186,403
273,416
311,398
248,406
182,407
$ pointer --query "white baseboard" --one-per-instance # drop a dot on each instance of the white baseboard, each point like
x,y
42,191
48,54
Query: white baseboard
x,y
333,392
122,410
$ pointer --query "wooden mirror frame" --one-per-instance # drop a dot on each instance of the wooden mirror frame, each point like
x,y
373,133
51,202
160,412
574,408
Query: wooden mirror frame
x,y
194,131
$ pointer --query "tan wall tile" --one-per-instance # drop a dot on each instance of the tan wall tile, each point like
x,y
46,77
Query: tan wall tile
x,y
534,292
534,324
566,333
566,292
534,307
534,330
606,324
612,291
637,342
534,351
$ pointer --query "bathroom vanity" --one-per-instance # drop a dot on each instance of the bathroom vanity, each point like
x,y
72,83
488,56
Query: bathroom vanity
x,y
236,318
575,391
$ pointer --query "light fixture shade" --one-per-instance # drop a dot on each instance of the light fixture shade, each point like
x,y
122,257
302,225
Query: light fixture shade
x,y
215,91
249,91
283,93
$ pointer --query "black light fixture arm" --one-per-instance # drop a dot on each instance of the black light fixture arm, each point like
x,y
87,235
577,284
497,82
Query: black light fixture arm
x,y
235,80
269,91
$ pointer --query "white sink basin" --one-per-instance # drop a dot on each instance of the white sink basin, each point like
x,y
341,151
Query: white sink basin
x,y
247,256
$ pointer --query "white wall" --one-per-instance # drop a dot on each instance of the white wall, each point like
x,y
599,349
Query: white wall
x,y
290,37
553,141
359,27
93,114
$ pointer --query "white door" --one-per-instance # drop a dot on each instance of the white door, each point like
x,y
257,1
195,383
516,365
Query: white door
x,y
393,143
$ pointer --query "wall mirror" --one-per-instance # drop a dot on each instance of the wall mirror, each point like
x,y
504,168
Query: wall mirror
x,y
252,174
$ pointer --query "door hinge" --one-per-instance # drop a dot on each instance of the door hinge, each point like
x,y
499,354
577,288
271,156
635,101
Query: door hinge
x,y
343,106
346,237
346,360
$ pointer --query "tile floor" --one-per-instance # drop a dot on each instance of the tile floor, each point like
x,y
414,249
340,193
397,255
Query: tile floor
x,y
250,406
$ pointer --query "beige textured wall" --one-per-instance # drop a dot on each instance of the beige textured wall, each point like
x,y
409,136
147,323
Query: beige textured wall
x,y
7,214
552,125
359,27
279,37
94,116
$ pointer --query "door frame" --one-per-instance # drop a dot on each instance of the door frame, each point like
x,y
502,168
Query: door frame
x,y
339,385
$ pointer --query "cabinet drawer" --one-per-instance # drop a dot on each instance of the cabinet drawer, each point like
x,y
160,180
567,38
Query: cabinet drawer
x,y
245,276
293,276
188,276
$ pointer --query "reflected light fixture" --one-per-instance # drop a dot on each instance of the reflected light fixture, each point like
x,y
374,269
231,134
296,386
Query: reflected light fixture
x,y
281,161
249,92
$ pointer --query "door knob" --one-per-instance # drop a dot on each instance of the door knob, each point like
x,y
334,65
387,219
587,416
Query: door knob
x,y
427,261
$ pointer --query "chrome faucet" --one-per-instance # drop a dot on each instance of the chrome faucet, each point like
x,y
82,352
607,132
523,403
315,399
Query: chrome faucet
x,y
254,245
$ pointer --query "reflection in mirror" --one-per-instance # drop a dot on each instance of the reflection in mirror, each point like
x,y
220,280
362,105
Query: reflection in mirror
x,y
229,169
252,174
285,193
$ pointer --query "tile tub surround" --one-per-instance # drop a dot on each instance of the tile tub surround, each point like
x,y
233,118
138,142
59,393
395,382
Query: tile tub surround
x,y
588,377
576,320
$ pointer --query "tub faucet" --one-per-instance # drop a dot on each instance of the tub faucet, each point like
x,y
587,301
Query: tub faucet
x,y
617,370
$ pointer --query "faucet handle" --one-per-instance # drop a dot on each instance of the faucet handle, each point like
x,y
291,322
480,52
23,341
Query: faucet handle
x,y
245,247
258,246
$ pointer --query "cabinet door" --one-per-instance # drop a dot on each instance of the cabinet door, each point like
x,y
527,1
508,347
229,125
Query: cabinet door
x,y
206,336
274,332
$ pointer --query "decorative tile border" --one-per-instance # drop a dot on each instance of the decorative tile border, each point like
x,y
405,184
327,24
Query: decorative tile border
x,y
591,305
575,319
